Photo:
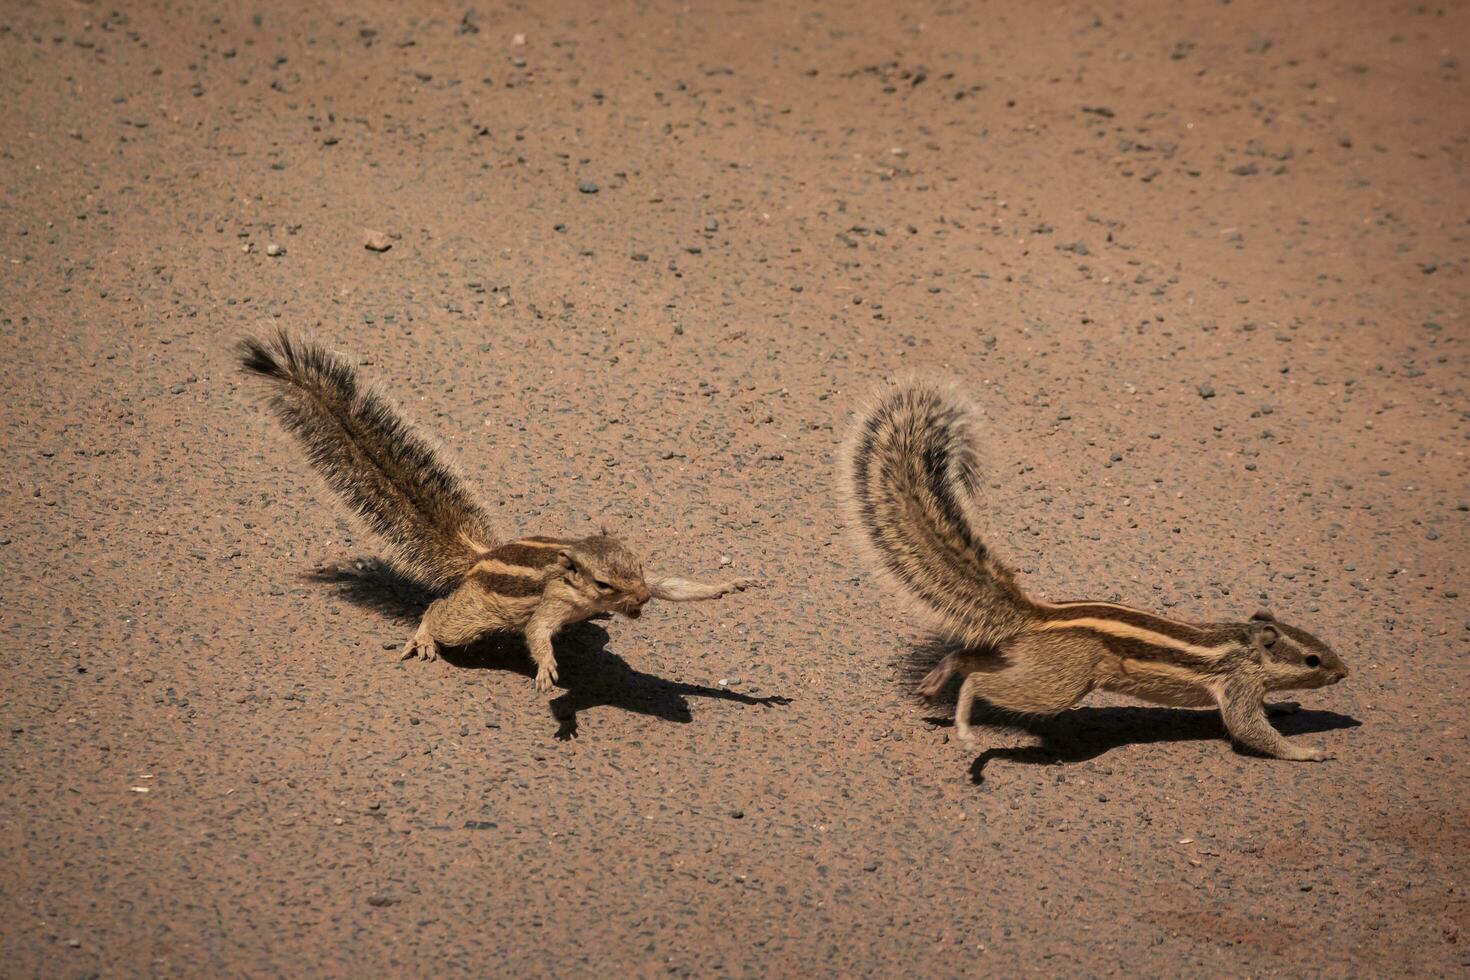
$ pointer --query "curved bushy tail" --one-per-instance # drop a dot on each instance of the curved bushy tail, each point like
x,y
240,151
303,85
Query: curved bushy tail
x,y
372,458
912,482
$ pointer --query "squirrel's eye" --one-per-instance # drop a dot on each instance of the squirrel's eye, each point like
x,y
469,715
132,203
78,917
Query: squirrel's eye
x,y
1313,660
602,585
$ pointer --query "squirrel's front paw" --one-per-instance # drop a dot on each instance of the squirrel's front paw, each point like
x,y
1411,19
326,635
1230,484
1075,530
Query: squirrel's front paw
x,y
545,678
741,584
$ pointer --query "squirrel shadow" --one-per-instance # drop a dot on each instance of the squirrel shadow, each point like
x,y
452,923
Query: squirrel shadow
x,y
591,675
1083,733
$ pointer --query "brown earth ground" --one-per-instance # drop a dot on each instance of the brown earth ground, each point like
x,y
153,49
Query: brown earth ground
x,y
1092,214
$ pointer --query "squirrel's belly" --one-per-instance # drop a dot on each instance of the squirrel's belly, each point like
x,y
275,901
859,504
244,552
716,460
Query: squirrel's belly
x,y
1160,683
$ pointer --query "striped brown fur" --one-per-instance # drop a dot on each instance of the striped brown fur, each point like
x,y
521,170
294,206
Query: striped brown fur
x,y
1143,645
1188,632
528,555
515,586
521,568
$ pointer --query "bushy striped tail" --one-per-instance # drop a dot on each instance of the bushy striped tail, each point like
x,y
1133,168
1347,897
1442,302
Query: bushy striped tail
x,y
912,481
370,456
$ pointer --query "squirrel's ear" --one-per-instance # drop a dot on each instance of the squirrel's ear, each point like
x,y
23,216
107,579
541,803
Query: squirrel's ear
x,y
1264,637
1263,616
564,559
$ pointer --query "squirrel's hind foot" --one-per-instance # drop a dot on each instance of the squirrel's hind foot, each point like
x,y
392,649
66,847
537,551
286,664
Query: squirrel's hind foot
x,y
421,646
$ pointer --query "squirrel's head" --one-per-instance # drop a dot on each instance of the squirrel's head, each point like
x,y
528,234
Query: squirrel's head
x,y
1290,657
605,575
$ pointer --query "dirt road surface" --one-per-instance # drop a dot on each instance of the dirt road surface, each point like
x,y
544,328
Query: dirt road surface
x,y
1204,265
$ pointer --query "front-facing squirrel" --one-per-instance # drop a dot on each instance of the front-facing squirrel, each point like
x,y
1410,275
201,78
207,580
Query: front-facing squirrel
x,y
439,534
912,482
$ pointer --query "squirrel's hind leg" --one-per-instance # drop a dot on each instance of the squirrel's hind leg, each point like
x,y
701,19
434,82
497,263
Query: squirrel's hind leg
x,y
455,620
958,662
1031,676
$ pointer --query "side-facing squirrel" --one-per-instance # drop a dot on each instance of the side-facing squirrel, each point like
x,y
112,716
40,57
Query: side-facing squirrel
x,y
911,477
